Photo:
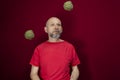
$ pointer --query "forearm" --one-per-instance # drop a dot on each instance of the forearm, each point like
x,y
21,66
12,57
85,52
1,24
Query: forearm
x,y
75,74
34,77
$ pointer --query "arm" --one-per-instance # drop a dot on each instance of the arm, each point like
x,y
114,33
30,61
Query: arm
x,y
75,73
34,73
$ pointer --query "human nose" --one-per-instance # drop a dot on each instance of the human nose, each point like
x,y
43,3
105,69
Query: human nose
x,y
56,26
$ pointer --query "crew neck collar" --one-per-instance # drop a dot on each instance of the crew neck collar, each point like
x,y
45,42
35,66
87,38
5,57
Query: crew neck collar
x,y
55,42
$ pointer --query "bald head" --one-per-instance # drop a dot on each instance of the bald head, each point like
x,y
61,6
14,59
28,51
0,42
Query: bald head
x,y
53,20
53,27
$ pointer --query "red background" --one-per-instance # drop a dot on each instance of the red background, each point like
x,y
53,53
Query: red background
x,y
92,27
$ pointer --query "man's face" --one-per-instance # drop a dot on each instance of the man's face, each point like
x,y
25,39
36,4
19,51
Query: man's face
x,y
53,28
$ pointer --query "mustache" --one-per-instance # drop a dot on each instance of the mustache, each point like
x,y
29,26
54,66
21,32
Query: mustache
x,y
57,31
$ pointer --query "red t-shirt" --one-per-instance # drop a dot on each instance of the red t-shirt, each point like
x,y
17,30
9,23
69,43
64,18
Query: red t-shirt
x,y
54,60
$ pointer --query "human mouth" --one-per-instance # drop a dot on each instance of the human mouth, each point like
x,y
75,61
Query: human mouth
x,y
56,31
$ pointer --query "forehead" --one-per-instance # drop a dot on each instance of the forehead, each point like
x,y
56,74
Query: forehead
x,y
53,20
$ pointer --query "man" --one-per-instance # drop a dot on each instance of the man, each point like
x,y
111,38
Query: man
x,y
53,58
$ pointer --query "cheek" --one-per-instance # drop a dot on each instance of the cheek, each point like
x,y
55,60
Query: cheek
x,y
61,29
49,30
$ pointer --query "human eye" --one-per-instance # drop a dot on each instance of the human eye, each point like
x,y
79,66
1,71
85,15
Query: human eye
x,y
52,25
59,24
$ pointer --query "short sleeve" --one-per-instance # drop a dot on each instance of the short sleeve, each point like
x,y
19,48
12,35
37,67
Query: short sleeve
x,y
75,60
35,58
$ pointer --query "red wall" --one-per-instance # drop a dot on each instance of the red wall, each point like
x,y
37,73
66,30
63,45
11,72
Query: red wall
x,y
92,27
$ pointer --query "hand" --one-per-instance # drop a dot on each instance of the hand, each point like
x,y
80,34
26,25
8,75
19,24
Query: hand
x,y
71,78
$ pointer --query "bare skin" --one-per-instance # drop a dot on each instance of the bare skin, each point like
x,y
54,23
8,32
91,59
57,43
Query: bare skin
x,y
53,28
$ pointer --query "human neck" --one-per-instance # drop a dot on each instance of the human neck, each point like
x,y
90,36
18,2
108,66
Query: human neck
x,y
54,39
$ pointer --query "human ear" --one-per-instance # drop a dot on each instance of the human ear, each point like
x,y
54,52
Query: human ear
x,y
45,29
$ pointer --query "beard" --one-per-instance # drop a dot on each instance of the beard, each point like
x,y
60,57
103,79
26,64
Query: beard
x,y
55,34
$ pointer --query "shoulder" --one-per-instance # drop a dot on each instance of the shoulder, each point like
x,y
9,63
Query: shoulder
x,y
41,45
69,44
